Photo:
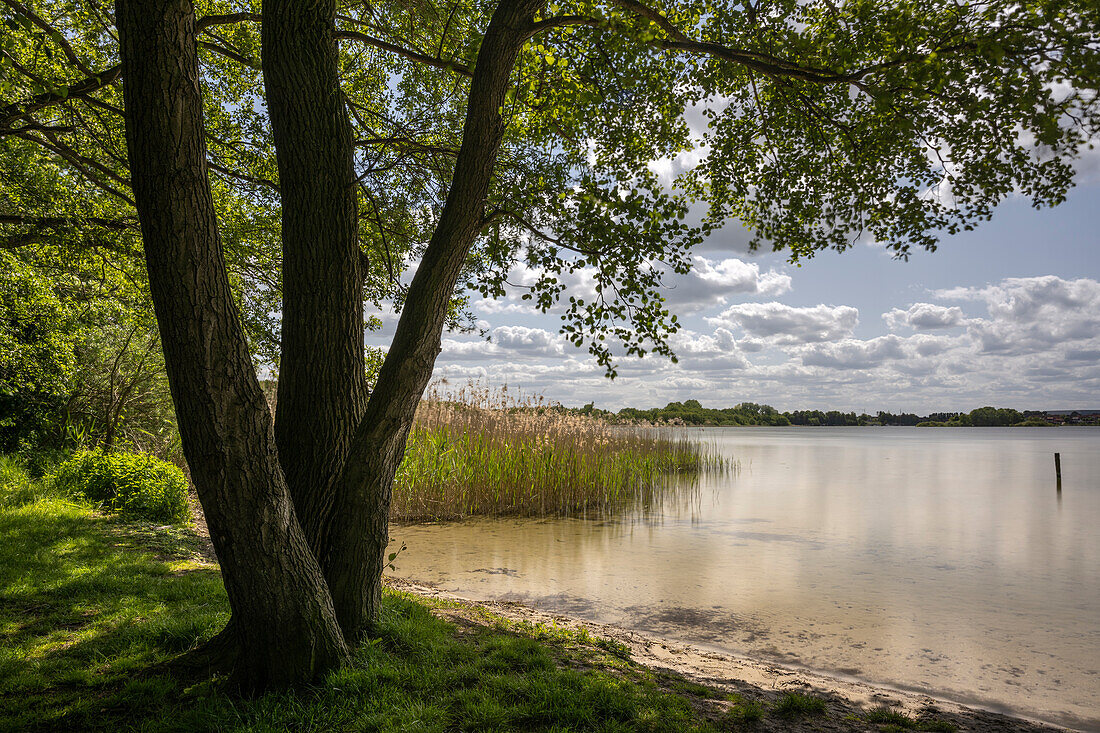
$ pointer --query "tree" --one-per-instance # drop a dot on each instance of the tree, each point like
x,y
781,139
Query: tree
x,y
479,134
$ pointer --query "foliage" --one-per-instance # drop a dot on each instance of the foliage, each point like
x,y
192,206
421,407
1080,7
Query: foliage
x,y
80,358
475,452
1032,422
825,124
17,485
120,395
989,417
691,412
36,354
993,417
130,484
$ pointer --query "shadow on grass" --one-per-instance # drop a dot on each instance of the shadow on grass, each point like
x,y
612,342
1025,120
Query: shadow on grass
x,y
88,603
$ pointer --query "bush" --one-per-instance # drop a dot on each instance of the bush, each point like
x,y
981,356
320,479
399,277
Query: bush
x,y
127,483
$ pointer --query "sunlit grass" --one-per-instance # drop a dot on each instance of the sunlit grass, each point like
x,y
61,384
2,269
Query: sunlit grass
x,y
477,452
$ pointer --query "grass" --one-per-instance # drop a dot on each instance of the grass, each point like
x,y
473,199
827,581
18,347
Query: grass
x,y
475,452
744,714
794,705
91,604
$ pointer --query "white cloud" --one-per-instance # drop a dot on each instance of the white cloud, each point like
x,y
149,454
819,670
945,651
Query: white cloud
x,y
711,282
702,353
530,341
924,317
853,353
505,342
1025,342
789,325
1033,314
487,306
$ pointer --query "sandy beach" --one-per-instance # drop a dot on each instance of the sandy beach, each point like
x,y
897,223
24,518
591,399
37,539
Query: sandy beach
x,y
847,699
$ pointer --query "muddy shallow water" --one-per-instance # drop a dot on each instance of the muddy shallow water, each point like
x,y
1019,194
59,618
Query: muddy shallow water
x,y
932,559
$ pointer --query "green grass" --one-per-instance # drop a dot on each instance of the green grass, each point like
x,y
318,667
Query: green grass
x,y
743,714
794,705
479,453
90,604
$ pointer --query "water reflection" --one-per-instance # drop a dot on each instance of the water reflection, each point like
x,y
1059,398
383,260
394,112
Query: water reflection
x,y
925,558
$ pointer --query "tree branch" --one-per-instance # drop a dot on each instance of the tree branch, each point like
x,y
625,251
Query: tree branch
x,y
243,176
55,35
420,58
767,64
82,88
563,21
40,224
229,54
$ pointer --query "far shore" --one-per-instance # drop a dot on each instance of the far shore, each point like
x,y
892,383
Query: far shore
x,y
847,697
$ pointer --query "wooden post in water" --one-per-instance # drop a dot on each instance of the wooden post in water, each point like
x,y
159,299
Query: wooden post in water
x,y
1058,469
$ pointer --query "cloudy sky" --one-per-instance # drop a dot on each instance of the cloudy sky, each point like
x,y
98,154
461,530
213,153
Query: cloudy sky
x,y
1007,315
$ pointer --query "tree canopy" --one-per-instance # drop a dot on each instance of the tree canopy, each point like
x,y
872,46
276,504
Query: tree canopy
x,y
826,123
282,164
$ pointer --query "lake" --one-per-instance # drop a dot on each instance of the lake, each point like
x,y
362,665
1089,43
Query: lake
x,y
933,559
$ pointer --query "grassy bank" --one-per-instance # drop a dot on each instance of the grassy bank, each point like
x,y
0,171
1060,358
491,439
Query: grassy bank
x,y
474,452
90,604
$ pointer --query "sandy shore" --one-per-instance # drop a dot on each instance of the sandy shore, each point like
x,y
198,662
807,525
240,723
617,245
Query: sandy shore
x,y
753,679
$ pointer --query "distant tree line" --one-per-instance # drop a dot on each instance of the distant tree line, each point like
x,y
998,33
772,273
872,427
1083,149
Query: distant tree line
x,y
691,412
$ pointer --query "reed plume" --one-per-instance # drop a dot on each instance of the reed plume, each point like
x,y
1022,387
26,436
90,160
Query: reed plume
x,y
477,451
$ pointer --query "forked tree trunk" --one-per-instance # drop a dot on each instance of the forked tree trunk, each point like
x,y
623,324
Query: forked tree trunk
x,y
356,536
322,385
282,612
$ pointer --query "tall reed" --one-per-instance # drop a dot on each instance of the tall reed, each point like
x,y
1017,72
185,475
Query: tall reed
x,y
475,451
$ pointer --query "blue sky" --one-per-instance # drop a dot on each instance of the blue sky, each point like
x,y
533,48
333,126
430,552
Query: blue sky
x,y
1007,315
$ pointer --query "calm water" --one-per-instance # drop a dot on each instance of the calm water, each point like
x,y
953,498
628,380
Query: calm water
x,y
932,559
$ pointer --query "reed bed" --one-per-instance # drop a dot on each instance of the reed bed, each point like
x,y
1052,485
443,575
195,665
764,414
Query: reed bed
x,y
476,452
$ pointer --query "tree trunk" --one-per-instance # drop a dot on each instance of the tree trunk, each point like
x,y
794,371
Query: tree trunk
x,y
282,612
356,537
322,383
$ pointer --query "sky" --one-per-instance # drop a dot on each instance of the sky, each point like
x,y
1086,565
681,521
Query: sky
x,y
1005,315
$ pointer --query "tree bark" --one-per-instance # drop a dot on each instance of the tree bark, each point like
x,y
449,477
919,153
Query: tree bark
x,y
322,383
357,535
283,617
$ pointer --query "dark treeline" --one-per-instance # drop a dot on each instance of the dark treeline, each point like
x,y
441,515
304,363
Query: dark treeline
x,y
751,413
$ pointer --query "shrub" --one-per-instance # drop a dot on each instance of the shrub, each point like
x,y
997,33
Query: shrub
x,y
128,483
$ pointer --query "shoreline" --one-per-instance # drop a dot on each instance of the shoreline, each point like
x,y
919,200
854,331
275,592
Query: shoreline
x,y
757,677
